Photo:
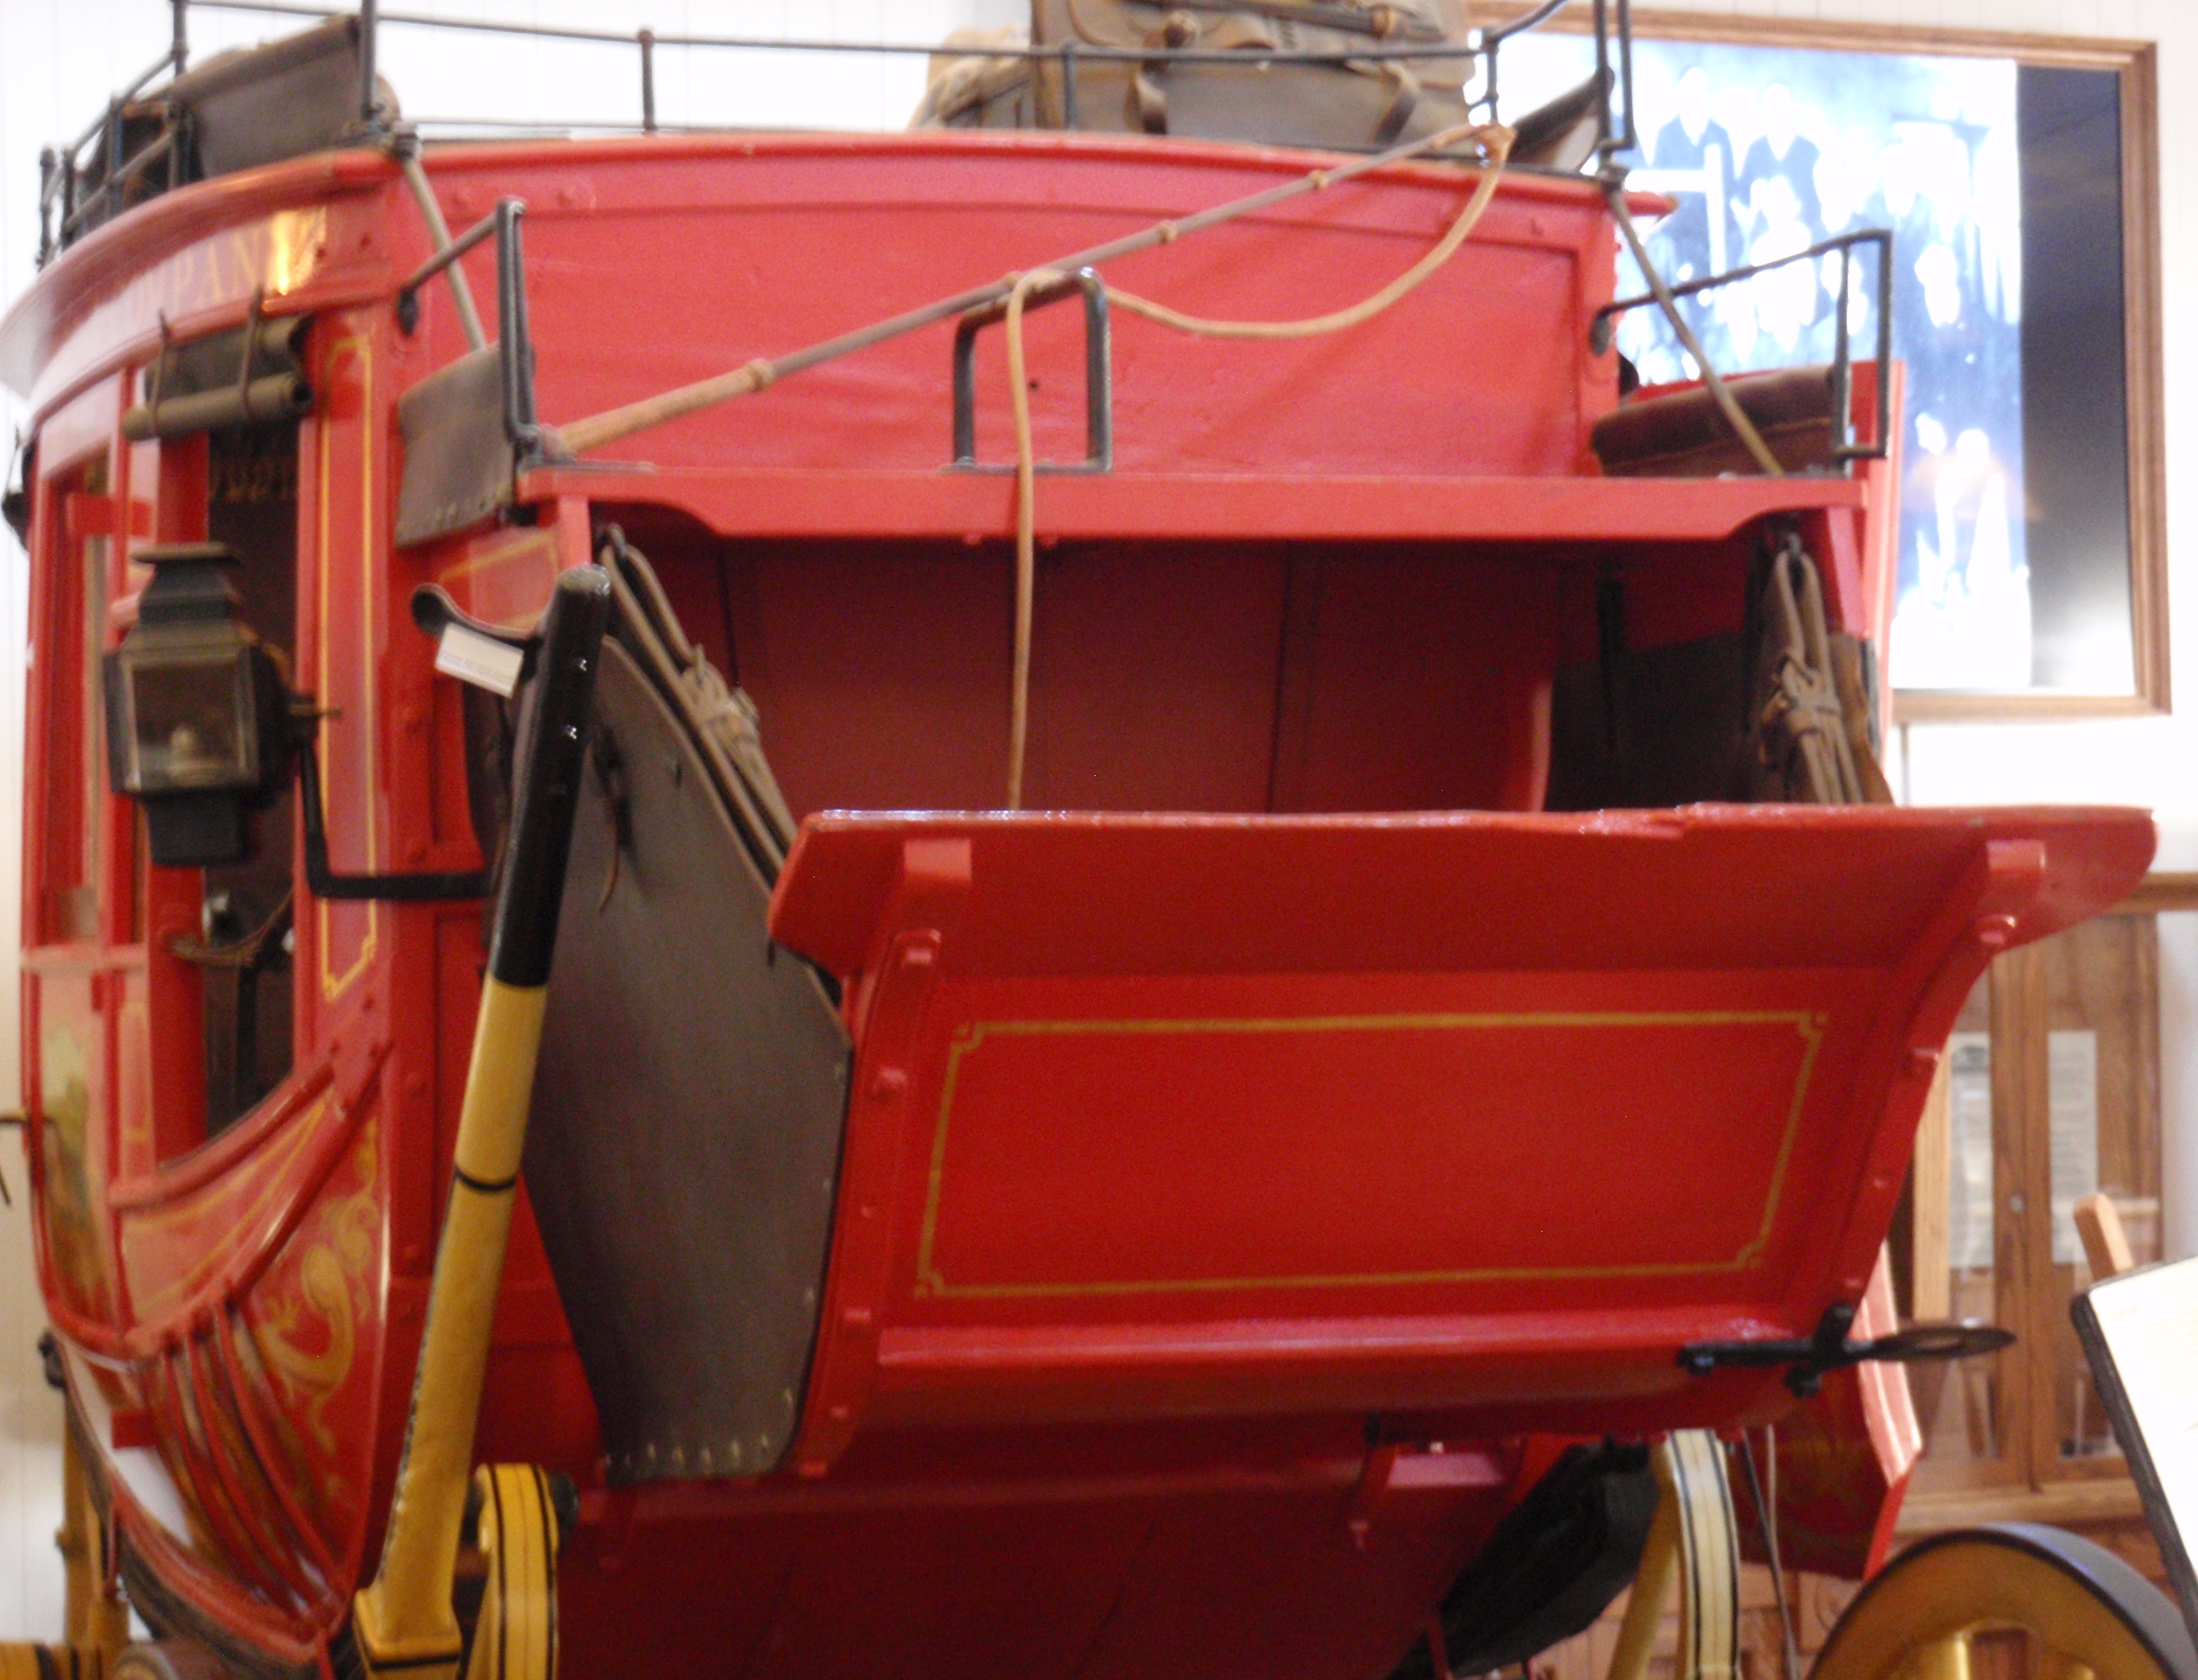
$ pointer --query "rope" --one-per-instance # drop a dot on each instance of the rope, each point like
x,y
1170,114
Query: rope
x,y
1498,142
1499,149
1025,536
1803,706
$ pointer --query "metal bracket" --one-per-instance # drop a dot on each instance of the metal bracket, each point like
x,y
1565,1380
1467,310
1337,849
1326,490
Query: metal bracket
x,y
404,889
432,611
323,882
515,343
407,294
469,428
1829,1349
1098,377
1611,139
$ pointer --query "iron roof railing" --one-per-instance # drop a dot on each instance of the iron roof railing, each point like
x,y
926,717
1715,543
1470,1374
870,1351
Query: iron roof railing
x,y
91,178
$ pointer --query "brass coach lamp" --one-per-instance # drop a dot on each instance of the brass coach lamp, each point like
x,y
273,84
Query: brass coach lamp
x,y
198,711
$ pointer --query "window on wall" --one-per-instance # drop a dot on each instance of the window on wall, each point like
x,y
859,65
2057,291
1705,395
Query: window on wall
x,y
2050,1093
2014,176
2075,385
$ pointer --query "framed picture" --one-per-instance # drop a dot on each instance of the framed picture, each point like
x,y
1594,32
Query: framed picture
x,y
2015,174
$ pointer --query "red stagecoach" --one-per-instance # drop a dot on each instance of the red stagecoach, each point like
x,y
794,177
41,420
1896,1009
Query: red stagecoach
x,y
1443,1003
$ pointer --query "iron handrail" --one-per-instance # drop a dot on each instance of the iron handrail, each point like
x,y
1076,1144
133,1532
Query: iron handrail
x,y
61,167
1844,448
407,294
111,188
1098,374
1246,55
57,165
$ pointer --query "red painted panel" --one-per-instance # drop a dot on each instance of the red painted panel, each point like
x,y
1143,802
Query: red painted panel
x,y
906,219
1158,672
1429,678
1381,1070
1153,677
1168,1151
1612,891
1251,1114
882,673
957,1597
1319,1605
1060,1556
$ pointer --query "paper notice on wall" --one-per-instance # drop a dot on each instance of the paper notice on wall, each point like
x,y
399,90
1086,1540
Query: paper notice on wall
x,y
2072,1092
1969,1180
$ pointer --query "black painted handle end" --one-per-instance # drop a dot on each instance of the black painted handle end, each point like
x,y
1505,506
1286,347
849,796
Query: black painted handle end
x,y
551,761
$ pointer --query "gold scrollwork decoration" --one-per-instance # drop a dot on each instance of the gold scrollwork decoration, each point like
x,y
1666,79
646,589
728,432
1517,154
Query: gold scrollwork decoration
x,y
312,1367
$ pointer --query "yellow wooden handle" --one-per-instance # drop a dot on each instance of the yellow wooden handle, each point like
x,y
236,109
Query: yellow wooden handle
x,y
405,1616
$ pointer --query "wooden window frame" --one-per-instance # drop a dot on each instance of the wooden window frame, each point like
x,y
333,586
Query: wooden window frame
x,y
2031,1480
2136,63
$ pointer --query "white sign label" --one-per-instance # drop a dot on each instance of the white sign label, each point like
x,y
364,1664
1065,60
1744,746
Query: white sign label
x,y
1969,1181
481,660
2149,1321
2072,1086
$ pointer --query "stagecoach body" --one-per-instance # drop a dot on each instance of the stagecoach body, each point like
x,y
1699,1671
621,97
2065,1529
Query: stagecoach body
x,y
1206,1203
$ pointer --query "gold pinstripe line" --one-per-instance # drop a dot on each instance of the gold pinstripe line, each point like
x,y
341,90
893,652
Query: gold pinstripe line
x,y
970,1037
335,986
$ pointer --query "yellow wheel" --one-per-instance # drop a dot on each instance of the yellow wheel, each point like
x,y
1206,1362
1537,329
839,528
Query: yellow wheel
x,y
518,1534
2081,1612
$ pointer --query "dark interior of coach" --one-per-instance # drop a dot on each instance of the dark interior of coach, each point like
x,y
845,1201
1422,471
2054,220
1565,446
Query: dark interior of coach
x,y
1255,677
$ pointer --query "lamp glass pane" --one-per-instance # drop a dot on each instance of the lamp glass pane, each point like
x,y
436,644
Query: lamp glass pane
x,y
192,721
